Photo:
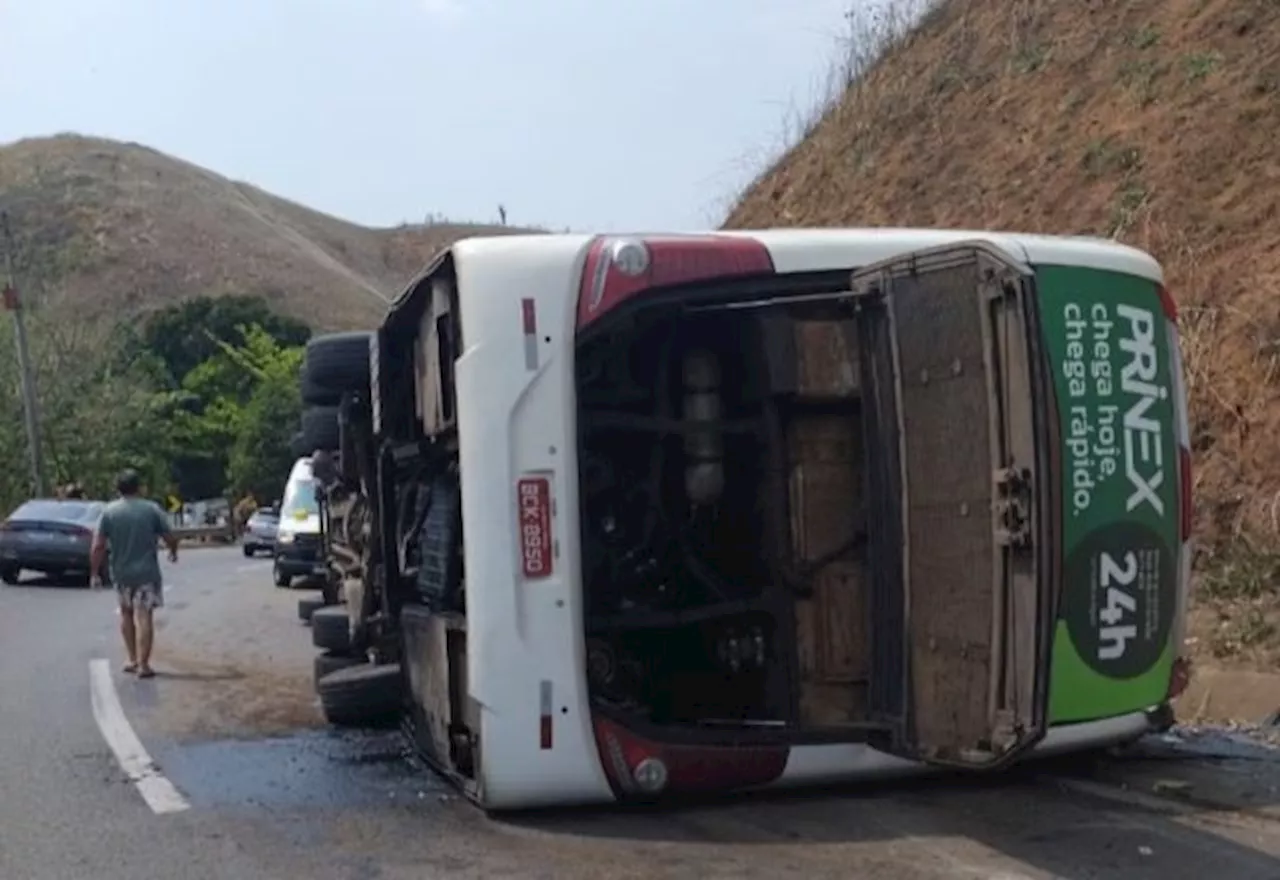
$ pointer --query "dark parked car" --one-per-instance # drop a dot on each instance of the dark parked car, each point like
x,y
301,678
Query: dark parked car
x,y
49,536
260,531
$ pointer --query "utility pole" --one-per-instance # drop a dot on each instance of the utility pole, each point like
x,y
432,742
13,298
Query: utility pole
x,y
12,302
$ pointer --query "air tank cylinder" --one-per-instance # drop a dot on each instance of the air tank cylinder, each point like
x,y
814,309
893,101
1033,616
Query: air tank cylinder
x,y
704,445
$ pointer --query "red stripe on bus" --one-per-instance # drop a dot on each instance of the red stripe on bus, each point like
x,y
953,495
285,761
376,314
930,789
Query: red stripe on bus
x,y
529,317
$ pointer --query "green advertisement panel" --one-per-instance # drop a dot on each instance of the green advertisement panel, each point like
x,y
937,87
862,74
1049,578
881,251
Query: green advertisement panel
x,y
1108,346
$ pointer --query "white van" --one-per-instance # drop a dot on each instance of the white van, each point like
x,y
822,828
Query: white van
x,y
665,514
299,549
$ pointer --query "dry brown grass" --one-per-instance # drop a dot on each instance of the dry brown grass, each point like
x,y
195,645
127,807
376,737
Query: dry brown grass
x,y
1152,121
111,228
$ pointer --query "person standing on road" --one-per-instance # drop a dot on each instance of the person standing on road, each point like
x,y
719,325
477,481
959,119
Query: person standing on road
x,y
244,509
127,535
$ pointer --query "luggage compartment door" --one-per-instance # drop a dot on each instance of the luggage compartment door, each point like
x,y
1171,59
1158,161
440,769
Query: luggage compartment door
x,y
963,590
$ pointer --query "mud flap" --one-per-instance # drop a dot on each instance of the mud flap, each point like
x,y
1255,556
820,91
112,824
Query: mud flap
x,y
963,589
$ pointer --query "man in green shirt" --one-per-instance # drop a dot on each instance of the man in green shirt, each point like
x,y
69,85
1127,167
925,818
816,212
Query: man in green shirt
x,y
128,534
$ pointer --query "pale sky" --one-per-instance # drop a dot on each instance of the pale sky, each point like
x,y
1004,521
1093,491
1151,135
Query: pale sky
x,y
591,114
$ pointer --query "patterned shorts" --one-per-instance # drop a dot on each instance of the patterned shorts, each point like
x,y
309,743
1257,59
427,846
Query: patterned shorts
x,y
147,596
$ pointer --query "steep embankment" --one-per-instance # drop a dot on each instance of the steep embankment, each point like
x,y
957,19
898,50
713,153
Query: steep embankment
x,y
1153,121
110,228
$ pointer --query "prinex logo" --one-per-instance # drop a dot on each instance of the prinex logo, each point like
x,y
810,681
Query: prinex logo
x,y
1143,449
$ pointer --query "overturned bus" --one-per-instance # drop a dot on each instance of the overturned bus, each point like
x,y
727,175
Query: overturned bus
x,y
636,517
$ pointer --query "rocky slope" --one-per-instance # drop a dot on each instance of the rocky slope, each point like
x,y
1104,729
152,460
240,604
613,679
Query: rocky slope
x,y
1152,121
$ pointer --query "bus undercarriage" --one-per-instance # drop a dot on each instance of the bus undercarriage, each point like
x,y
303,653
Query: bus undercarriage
x,y
811,515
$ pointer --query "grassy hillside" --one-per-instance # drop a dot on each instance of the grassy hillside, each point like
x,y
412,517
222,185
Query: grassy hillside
x,y
111,228
1153,121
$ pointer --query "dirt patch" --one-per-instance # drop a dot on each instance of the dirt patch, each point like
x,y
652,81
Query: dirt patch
x,y
232,659
219,701
1224,695
1236,618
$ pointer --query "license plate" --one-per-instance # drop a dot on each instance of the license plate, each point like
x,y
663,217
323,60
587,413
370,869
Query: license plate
x,y
39,536
533,497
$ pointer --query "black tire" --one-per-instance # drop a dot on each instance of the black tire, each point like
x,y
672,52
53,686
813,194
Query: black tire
x,y
281,579
361,696
320,428
248,551
335,363
331,591
327,662
10,575
309,605
331,629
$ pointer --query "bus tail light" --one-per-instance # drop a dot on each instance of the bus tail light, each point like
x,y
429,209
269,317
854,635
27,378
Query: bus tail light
x,y
639,768
619,267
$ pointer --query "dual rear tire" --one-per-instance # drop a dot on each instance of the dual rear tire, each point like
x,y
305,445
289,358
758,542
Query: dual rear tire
x,y
360,694
353,692
335,364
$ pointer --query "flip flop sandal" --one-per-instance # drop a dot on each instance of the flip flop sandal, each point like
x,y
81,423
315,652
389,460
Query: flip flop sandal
x,y
146,673
129,668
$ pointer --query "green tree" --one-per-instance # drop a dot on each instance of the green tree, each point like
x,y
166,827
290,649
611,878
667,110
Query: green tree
x,y
187,334
97,415
108,402
261,455
234,416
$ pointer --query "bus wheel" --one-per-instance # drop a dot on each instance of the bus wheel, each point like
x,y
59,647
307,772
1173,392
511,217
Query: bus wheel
x,y
320,427
309,605
335,363
331,629
327,662
361,696
329,592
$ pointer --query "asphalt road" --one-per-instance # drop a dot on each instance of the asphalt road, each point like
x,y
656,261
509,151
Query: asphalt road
x,y
264,791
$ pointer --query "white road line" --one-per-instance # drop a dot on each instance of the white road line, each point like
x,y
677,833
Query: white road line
x,y
156,790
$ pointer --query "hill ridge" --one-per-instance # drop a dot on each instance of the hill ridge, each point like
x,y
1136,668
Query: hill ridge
x,y
107,228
